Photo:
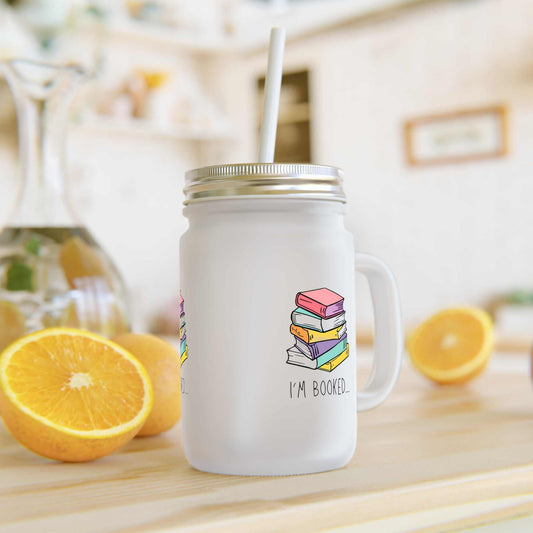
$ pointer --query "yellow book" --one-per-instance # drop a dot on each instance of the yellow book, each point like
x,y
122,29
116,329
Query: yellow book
x,y
310,335
184,355
336,361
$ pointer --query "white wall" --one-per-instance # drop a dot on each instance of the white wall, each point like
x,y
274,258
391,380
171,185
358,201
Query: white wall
x,y
128,188
452,234
130,198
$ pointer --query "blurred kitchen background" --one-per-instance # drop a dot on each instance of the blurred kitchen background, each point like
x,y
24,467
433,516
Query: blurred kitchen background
x,y
426,104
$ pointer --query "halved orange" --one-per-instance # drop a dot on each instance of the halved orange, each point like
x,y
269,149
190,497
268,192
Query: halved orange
x,y
71,395
452,346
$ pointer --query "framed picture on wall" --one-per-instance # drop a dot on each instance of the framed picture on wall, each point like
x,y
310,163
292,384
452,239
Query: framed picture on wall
x,y
457,136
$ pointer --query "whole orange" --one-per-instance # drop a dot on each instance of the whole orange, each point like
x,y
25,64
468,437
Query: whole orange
x,y
162,363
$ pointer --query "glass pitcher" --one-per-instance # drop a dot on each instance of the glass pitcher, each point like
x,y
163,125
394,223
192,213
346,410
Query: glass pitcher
x,y
52,271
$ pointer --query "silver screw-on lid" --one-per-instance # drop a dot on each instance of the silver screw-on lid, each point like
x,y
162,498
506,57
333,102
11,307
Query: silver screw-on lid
x,y
259,180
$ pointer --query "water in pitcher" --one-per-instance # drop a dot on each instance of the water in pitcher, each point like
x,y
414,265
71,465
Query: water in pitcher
x,y
57,277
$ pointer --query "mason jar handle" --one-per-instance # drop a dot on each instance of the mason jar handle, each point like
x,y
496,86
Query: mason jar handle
x,y
388,334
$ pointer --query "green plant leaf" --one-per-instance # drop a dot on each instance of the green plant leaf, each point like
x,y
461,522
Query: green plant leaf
x,y
33,246
19,277
520,298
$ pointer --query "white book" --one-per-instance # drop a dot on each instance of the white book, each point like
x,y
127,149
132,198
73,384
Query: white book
x,y
305,319
327,362
296,357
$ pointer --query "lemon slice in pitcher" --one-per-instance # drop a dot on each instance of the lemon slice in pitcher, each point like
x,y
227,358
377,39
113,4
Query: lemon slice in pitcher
x,y
12,323
453,346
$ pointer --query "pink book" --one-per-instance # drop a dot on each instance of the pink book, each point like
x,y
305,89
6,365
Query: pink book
x,y
321,302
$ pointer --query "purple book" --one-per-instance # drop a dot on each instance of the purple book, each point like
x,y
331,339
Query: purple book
x,y
318,348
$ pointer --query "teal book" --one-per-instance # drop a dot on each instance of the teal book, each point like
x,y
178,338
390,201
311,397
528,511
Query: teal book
x,y
183,345
296,357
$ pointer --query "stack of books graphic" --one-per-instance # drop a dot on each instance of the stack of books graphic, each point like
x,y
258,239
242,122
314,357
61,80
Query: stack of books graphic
x,y
183,334
319,329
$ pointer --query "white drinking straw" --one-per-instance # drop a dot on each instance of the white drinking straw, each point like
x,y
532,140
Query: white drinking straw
x,y
267,139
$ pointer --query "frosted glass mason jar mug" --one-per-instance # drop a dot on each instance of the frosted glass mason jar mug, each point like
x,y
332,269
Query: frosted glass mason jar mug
x,y
267,325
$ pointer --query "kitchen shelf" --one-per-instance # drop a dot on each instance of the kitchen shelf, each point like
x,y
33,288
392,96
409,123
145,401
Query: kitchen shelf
x,y
142,127
159,35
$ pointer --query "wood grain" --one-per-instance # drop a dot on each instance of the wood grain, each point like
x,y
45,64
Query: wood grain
x,y
431,458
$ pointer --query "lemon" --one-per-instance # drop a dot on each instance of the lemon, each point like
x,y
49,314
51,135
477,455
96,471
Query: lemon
x,y
79,260
12,323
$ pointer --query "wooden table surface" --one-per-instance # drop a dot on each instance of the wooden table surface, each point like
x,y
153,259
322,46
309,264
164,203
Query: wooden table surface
x,y
430,459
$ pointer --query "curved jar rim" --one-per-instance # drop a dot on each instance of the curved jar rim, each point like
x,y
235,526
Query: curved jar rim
x,y
264,180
